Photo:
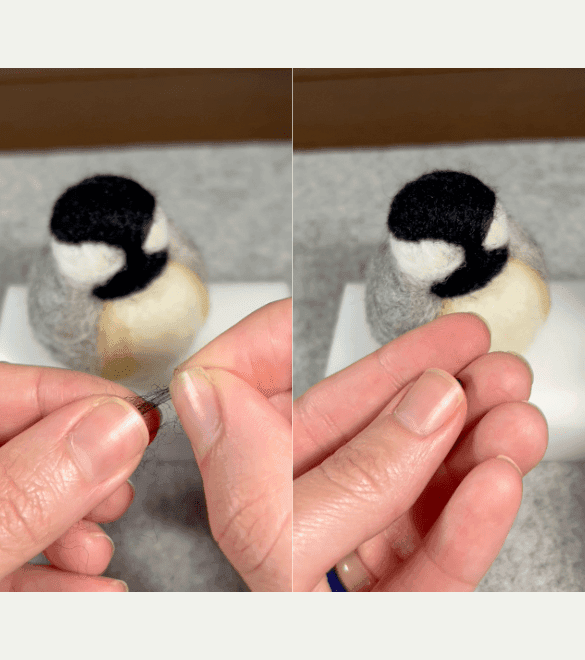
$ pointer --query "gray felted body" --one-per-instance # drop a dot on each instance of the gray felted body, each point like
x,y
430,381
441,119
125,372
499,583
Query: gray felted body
x,y
395,303
64,318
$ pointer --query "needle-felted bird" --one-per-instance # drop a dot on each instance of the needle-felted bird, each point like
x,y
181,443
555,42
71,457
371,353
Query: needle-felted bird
x,y
452,248
118,291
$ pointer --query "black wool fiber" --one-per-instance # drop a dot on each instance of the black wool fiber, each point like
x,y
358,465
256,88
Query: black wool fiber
x,y
457,208
152,400
117,211
103,208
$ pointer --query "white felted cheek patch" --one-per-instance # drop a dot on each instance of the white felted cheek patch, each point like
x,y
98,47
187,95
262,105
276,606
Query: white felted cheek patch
x,y
498,234
87,264
157,238
427,261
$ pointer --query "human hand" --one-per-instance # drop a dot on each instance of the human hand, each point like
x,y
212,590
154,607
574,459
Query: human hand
x,y
68,443
401,495
233,398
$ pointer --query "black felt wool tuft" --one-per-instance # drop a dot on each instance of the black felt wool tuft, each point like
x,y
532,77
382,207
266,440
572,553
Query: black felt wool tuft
x,y
448,206
453,207
152,400
478,269
103,208
117,211
138,273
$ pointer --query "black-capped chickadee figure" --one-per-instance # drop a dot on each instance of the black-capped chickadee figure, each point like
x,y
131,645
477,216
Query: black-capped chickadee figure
x,y
118,292
452,248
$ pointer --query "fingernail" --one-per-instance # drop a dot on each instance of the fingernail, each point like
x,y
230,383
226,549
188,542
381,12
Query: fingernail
x,y
150,413
108,437
182,367
105,536
429,403
198,389
122,583
352,574
509,460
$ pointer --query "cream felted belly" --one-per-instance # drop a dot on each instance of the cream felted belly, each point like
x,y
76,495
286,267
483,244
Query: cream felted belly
x,y
514,305
146,332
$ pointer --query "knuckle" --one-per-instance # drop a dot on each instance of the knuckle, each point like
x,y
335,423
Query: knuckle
x,y
25,506
387,361
364,472
251,528
309,408
20,508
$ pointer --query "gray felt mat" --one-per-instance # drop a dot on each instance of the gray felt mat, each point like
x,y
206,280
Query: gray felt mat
x,y
235,202
341,200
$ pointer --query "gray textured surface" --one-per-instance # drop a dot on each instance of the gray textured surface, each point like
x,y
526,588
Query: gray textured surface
x,y
235,202
341,200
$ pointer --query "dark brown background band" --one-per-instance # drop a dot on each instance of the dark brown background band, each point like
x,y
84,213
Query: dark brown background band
x,y
380,107
53,108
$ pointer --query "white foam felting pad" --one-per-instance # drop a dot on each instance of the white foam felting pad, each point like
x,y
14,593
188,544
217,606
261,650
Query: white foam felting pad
x,y
557,358
229,303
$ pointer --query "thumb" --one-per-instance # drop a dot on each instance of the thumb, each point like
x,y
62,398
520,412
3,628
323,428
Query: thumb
x,y
59,469
243,447
376,477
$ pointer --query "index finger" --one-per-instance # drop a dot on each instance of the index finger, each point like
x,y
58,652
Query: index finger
x,y
258,349
339,407
29,393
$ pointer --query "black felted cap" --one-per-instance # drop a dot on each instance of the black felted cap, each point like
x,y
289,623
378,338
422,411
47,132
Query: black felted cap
x,y
449,206
104,208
